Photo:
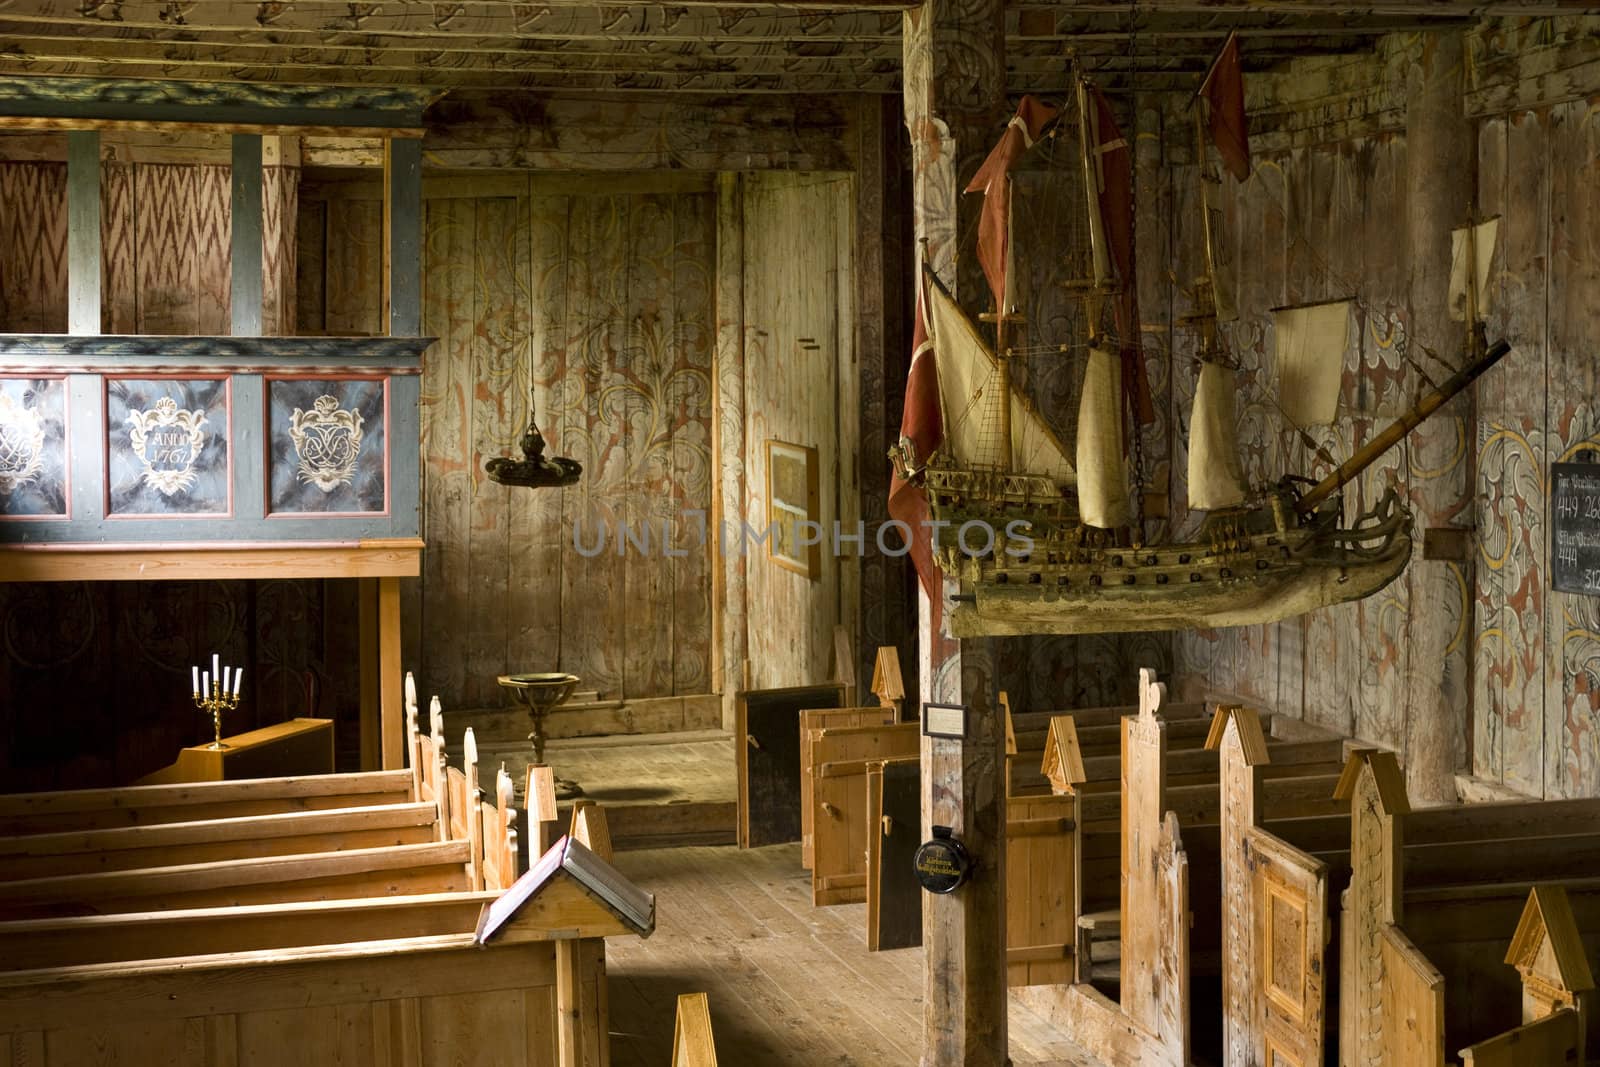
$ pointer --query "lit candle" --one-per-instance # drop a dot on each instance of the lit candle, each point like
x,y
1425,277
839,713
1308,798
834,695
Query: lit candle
x,y
226,672
205,682
196,671
238,675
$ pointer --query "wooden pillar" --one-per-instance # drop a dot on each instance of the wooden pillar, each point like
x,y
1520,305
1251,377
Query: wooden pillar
x,y
1441,157
727,432
954,109
389,674
246,278
402,232
402,311
83,231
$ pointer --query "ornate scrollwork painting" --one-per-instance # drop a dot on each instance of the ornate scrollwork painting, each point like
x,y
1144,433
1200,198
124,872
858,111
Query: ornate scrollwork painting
x,y
328,452
167,446
33,450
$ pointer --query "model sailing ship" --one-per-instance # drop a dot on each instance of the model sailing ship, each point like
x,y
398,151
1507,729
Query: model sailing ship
x,y
1063,551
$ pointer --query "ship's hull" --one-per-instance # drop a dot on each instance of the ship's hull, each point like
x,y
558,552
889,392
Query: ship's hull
x,y
1255,578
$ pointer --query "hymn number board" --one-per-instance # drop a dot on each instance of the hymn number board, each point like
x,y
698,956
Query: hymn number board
x,y
1575,527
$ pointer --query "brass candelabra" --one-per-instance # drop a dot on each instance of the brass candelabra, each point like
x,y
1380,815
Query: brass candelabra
x,y
213,695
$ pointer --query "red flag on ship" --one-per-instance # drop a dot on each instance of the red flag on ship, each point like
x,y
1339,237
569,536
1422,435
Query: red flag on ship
x,y
1115,162
1224,89
921,431
994,224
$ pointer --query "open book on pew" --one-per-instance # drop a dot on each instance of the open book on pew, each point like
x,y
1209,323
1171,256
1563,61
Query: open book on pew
x,y
570,893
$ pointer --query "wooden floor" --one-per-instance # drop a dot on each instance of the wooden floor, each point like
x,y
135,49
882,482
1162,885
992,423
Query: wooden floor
x,y
788,983
658,789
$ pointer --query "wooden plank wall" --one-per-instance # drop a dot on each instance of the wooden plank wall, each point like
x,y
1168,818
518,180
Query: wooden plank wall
x,y
797,358
600,289
1321,217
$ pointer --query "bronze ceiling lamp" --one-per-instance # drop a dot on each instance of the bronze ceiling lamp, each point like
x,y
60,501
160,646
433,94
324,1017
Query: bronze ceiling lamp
x,y
533,471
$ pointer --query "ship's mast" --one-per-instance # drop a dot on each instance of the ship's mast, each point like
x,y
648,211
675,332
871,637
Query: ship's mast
x,y
1206,296
1091,191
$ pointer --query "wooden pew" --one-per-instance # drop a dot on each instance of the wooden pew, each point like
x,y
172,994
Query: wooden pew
x,y
1042,900
348,981
894,825
1557,988
839,804
813,721
169,844
767,761
1551,961
692,1041
433,867
143,805
65,811
1275,908
1431,894
1100,733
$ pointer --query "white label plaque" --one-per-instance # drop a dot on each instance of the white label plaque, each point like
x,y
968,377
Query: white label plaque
x,y
945,720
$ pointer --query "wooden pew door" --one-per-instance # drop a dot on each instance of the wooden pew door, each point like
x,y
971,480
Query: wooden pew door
x,y
1290,895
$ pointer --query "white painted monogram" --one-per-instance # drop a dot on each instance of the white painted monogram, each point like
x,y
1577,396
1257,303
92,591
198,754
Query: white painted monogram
x,y
21,444
328,440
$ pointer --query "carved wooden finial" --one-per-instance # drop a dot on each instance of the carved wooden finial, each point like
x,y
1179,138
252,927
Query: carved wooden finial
x,y
692,1042
1152,694
411,695
887,682
589,827
1389,782
1247,729
436,723
1548,953
1063,758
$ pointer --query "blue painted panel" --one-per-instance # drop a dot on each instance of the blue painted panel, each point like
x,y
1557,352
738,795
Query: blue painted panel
x,y
33,447
167,446
328,445
241,481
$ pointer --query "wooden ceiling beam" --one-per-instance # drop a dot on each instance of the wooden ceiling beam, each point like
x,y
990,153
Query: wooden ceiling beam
x,y
109,43
319,21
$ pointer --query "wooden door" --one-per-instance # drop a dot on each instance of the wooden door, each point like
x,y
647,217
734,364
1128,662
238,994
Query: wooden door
x,y
1290,895
894,897
813,720
767,740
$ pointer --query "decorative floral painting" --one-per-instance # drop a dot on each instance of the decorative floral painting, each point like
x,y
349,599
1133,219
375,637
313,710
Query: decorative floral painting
x,y
328,445
167,446
33,447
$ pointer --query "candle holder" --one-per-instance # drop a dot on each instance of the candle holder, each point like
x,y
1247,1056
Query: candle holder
x,y
214,704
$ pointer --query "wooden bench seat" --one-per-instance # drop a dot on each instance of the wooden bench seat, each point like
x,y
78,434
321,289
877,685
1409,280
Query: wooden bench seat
x,y
143,805
101,939
436,867
169,844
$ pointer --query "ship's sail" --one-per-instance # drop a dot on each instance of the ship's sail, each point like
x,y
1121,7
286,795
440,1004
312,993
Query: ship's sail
x,y
1481,242
1102,476
1216,477
966,374
1311,341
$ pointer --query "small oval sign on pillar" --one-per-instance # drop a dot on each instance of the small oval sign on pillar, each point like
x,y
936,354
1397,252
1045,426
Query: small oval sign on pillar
x,y
942,863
